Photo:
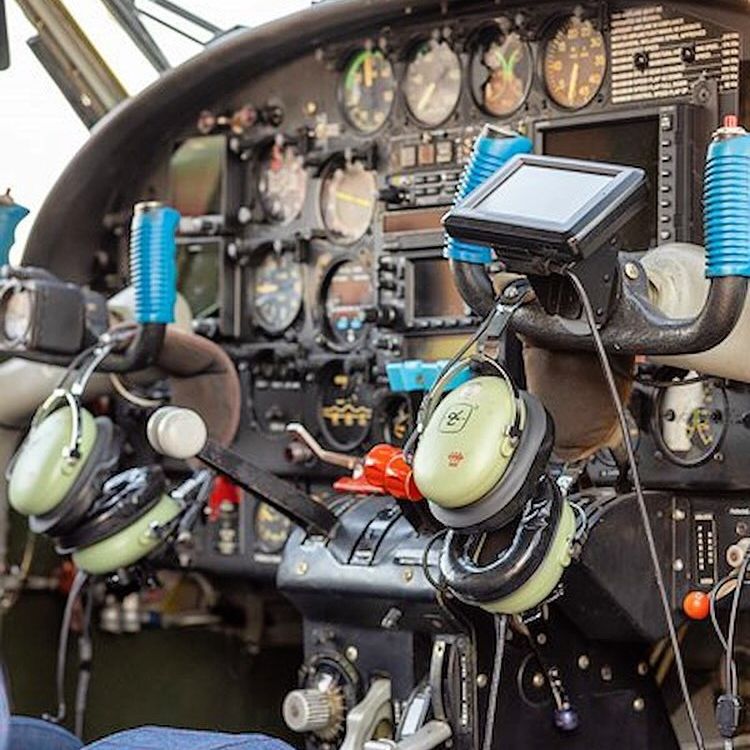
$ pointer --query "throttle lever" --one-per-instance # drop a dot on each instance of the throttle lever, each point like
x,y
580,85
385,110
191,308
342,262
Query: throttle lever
x,y
181,433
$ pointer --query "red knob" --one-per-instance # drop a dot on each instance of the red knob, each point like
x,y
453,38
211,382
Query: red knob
x,y
386,467
696,605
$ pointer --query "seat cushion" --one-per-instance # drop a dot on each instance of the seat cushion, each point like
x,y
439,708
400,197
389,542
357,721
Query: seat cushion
x,y
162,738
27,733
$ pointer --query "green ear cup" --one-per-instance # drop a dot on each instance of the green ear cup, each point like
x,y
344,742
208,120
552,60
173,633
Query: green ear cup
x,y
546,577
130,544
465,448
41,476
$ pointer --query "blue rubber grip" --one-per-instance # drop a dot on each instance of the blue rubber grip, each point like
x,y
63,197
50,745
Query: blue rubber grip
x,y
726,207
153,262
492,149
10,216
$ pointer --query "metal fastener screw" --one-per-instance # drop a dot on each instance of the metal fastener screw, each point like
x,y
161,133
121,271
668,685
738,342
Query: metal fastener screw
x,y
678,565
351,653
583,662
302,568
541,639
642,668
678,514
631,271
408,575
481,680
538,680
639,704
606,673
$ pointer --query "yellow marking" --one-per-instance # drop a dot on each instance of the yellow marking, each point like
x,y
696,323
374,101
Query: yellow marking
x,y
355,199
426,96
367,70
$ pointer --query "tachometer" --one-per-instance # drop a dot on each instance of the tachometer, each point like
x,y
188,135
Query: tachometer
x,y
349,292
575,61
690,420
347,201
282,183
432,85
276,291
501,72
368,90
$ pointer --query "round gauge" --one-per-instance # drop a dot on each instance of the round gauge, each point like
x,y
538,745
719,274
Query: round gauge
x,y
344,409
501,72
17,315
690,420
347,201
432,85
276,291
271,528
368,89
575,61
349,292
282,183
398,421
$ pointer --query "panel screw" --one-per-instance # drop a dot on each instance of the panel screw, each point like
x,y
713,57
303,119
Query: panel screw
x,y
351,653
583,662
538,680
678,565
639,704
631,271
481,680
606,673
408,574
541,639
642,668
678,514
302,568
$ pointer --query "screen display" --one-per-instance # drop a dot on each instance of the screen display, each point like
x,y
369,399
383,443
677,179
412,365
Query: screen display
x,y
435,293
544,193
198,276
634,143
196,176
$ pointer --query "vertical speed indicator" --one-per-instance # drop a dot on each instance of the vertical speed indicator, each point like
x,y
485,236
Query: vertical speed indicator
x,y
575,62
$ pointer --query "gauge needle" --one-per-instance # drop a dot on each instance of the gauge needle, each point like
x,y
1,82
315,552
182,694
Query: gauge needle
x,y
368,72
355,199
573,82
428,92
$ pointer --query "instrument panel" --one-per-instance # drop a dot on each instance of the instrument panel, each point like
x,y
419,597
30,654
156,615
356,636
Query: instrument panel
x,y
311,240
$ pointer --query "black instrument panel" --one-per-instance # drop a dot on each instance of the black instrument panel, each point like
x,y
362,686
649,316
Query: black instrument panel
x,y
319,186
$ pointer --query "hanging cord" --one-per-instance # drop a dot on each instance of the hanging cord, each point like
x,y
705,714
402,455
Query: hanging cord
x,y
85,658
501,625
62,646
661,586
712,598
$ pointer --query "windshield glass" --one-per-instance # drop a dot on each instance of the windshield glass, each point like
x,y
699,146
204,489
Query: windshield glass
x,y
42,131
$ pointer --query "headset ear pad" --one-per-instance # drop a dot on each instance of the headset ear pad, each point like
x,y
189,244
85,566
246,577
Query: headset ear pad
x,y
54,491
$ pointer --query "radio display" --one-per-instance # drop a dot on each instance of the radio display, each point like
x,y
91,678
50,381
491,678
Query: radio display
x,y
435,294
631,142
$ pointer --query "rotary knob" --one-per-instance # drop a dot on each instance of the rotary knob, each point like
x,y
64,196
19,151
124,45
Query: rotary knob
x,y
307,710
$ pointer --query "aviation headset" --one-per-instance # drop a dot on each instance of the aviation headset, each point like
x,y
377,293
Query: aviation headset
x,y
480,461
59,479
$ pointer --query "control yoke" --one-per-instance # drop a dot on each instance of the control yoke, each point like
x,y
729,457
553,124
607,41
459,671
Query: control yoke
x,y
549,218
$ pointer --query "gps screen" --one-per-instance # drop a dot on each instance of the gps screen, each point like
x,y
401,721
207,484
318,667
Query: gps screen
x,y
544,194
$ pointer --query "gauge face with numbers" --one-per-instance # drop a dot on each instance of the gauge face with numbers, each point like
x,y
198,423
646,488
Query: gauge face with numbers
x,y
691,420
276,291
501,72
348,198
432,85
271,528
575,62
282,183
368,90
